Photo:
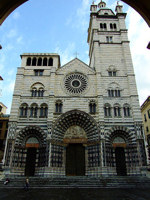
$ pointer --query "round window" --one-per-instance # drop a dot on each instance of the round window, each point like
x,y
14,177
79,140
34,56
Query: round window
x,y
75,83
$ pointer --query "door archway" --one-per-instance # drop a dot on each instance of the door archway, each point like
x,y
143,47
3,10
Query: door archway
x,y
32,144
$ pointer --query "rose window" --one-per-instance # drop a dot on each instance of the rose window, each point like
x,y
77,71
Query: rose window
x,y
76,83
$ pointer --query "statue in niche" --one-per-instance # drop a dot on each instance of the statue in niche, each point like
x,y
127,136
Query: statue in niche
x,y
75,132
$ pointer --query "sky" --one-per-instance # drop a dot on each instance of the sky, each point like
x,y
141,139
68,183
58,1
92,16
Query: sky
x,y
60,26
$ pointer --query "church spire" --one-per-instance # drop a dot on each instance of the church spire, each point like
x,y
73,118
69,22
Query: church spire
x,y
102,4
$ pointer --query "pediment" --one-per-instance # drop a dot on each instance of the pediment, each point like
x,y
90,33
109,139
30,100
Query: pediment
x,y
75,65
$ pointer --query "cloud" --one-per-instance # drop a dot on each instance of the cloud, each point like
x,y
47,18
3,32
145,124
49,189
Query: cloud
x,y
139,37
16,15
12,33
20,40
66,54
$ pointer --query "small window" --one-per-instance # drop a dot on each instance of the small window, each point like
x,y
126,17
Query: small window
x,y
92,107
111,73
59,107
148,139
34,62
1,108
147,129
115,26
114,73
107,111
38,72
101,25
148,114
41,73
39,62
109,39
28,61
145,118
45,62
50,63
126,110
111,26
117,111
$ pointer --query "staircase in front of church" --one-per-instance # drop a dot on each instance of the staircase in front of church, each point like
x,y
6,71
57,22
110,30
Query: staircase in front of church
x,y
80,182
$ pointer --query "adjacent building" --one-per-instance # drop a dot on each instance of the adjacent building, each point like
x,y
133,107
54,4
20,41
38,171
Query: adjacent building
x,y
145,110
78,119
4,118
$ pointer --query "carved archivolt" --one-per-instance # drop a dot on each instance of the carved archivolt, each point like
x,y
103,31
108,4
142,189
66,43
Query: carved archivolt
x,y
75,121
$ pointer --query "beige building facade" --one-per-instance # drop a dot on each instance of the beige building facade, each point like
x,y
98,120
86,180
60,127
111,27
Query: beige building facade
x,y
78,119
145,110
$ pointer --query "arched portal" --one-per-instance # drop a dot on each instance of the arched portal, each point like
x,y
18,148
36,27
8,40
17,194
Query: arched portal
x,y
30,150
121,151
78,132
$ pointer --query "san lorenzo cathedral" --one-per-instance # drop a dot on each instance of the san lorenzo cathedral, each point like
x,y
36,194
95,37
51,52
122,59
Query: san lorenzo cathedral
x,y
78,119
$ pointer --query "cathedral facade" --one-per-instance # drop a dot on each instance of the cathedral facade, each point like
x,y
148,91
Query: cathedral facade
x,y
78,119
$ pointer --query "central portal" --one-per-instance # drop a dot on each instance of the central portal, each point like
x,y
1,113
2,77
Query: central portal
x,y
75,160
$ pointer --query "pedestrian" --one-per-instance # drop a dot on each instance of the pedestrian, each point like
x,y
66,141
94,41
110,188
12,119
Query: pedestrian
x,y
27,184
6,181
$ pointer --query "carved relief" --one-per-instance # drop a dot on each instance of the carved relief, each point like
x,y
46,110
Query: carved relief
x,y
75,132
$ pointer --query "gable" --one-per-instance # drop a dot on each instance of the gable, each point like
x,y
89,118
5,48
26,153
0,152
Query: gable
x,y
75,65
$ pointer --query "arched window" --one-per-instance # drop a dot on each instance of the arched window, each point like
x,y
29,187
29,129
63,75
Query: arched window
x,y
41,92
117,111
34,110
24,110
34,60
101,25
107,110
45,62
50,63
34,92
29,61
37,90
58,107
114,93
115,26
39,62
126,110
92,107
43,110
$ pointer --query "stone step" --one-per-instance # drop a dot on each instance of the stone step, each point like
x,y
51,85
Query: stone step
x,y
81,182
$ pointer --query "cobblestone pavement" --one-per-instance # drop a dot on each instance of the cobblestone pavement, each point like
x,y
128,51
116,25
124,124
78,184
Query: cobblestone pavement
x,y
75,194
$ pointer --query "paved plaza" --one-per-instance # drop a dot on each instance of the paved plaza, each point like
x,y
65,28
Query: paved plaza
x,y
75,194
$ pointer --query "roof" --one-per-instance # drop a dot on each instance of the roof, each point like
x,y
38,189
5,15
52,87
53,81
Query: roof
x,y
145,103
3,105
